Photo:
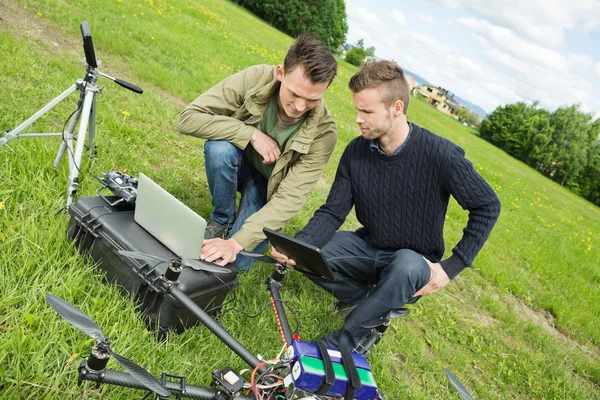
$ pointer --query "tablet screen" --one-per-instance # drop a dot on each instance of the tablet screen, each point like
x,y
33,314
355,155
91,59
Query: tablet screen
x,y
309,259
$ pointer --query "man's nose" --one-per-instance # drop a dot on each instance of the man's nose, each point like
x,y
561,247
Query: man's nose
x,y
300,105
359,119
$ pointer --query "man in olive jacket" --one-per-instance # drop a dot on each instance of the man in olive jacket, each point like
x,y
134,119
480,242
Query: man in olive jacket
x,y
270,136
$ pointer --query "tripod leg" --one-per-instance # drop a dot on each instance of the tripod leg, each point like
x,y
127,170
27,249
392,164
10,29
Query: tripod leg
x,y
15,132
68,137
75,158
92,130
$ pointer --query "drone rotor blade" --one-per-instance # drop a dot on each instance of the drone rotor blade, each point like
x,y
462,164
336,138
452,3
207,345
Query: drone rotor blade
x,y
143,376
141,256
75,317
259,257
199,265
459,386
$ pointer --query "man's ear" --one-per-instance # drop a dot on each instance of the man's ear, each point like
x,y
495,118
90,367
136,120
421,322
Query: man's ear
x,y
398,108
279,72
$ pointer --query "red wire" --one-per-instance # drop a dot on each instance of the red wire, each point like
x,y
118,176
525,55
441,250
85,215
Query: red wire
x,y
252,379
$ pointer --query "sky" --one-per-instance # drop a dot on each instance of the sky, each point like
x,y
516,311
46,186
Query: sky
x,y
491,53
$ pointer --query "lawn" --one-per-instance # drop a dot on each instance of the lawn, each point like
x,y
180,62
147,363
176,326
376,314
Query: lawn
x,y
522,323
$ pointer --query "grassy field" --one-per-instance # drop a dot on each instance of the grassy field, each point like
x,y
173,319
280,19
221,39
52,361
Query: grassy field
x,y
523,323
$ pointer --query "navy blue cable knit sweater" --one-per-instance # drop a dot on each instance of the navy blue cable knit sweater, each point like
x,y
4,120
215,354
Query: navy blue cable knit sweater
x,y
401,200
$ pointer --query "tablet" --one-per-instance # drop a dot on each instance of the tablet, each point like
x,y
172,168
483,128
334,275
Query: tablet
x,y
309,259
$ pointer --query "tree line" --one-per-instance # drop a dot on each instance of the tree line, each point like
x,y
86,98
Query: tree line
x,y
563,145
325,18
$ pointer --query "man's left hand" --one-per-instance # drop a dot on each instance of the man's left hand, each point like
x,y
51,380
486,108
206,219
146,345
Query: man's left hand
x,y
226,250
439,279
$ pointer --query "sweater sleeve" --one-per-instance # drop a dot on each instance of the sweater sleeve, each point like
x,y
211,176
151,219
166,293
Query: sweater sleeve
x,y
328,219
474,194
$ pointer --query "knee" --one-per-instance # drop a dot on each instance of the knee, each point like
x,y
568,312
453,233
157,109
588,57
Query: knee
x,y
220,151
408,264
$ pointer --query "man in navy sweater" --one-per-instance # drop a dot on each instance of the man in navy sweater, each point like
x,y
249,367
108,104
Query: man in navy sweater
x,y
399,177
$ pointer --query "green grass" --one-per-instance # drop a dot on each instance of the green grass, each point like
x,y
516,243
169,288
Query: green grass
x,y
523,323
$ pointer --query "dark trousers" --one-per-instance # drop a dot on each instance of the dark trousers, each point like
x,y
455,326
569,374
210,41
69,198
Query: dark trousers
x,y
377,281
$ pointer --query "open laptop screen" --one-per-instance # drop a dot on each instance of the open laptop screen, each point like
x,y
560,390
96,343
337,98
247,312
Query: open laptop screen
x,y
169,220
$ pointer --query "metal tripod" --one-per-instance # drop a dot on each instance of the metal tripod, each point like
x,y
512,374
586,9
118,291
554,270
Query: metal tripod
x,y
84,114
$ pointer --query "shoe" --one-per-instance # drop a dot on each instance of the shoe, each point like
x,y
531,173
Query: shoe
x,y
216,230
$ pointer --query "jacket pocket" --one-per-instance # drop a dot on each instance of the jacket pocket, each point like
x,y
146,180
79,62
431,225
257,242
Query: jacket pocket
x,y
300,145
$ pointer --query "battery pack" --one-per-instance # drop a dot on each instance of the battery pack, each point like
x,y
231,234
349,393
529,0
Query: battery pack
x,y
299,348
308,374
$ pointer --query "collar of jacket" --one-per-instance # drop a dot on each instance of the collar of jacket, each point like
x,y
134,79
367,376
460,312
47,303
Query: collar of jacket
x,y
257,103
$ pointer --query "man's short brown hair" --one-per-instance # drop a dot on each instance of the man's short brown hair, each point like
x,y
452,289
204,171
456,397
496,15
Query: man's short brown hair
x,y
318,62
387,76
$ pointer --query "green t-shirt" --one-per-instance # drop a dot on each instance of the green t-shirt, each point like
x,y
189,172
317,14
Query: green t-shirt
x,y
277,130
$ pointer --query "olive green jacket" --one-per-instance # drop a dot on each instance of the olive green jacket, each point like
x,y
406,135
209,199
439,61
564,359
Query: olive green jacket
x,y
231,111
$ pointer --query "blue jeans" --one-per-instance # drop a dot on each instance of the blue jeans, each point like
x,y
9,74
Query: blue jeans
x,y
377,281
228,171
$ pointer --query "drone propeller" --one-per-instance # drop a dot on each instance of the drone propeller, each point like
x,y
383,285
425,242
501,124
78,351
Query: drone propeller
x,y
85,324
459,386
76,317
195,264
259,257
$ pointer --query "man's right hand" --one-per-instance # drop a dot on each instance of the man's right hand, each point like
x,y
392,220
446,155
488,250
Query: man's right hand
x,y
265,146
282,258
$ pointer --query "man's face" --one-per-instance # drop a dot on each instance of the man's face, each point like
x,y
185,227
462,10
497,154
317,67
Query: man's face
x,y
373,117
297,94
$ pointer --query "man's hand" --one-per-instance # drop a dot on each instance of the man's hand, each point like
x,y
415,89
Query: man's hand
x,y
439,279
226,250
265,146
282,258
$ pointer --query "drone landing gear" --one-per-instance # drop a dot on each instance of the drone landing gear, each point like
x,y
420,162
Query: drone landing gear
x,y
378,327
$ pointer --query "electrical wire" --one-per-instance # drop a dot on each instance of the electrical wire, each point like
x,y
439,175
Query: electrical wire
x,y
79,105
262,310
257,395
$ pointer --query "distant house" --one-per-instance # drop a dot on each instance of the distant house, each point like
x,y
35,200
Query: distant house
x,y
440,98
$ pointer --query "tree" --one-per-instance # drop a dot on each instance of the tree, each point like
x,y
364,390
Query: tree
x,y
326,18
501,126
468,116
563,145
357,54
589,179
571,127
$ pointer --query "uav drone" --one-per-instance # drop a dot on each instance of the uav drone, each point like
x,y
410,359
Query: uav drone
x,y
271,379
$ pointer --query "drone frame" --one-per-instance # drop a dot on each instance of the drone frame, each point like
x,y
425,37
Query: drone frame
x,y
94,367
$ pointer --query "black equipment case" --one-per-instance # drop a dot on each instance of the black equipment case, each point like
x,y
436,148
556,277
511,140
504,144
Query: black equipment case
x,y
101,230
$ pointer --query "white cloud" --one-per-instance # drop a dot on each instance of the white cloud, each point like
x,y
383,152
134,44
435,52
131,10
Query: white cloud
x,y
504,68
423,17
580,61
542,21
398,17
522,49
367,17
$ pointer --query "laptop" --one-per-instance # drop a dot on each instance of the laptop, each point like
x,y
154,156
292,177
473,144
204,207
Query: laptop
x,y
169,220
309,259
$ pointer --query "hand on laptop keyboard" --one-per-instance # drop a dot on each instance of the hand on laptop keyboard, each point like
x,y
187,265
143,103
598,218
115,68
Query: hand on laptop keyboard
x,y
220,251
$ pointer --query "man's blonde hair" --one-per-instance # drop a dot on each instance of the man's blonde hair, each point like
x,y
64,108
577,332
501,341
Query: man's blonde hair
x,y
386,76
